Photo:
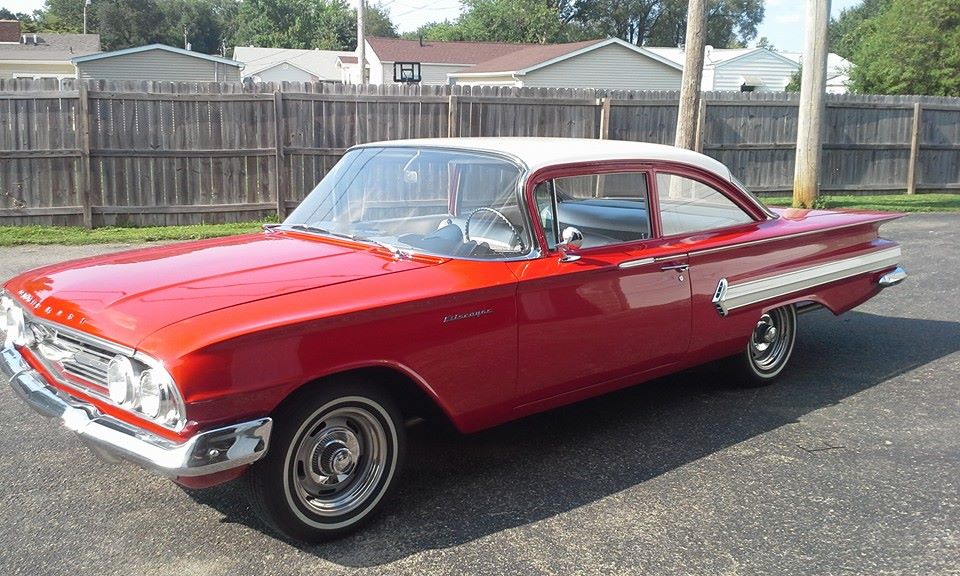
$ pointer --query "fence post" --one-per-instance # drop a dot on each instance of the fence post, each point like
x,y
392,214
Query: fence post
x,y
453,129
280,181
83,127
605,119
914,149
701,126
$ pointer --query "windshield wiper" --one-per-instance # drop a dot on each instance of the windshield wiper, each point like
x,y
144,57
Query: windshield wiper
x,y
317,230
397,252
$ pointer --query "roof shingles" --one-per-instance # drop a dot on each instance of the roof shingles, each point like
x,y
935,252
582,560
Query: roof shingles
x,y
527,56
427,52
51,47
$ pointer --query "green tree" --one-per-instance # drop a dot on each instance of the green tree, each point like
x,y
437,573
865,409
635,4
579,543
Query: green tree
x,y
913,47
28,22
65,16
378,22
765,42
514,21
207,23
795,80
527,21
128,23
845,30
306,24
446,30
730,23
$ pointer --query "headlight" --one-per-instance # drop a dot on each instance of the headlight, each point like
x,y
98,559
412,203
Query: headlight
x,y
5,304
14,324
156,397
122,380
142,385
159,399
151,394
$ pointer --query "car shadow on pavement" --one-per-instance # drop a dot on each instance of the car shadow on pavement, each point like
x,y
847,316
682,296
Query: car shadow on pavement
x,y
457,488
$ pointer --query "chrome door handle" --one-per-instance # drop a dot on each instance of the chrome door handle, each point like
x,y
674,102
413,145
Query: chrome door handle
x,y
679,267
635,263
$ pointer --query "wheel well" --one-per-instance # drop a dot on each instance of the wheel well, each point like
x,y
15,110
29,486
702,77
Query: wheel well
x,y
410,398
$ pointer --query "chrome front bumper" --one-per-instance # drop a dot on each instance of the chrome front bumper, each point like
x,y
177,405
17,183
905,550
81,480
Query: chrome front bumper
x,y
114,440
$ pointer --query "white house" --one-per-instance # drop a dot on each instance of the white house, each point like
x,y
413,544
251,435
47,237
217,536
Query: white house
x,y
290,65
756,69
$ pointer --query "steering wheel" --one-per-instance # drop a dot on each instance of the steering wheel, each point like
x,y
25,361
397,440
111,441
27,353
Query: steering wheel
x,y
466,225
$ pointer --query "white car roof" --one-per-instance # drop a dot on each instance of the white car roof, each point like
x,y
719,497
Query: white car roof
x,y
538,153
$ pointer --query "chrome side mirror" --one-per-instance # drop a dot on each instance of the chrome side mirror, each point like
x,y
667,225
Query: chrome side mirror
x,y
570,239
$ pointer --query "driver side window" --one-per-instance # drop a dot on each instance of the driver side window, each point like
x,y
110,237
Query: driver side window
x,y
606,208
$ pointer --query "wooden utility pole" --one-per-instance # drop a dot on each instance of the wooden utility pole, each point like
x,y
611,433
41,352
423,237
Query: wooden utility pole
x,y
813,82
692,72
362,42
914,149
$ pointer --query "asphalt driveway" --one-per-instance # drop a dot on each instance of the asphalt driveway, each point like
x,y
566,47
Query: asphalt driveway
x,y
849,465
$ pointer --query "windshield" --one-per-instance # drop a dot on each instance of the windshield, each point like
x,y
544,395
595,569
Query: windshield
x,y
443,202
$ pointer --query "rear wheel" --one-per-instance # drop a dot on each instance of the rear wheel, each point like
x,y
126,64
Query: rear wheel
x,y
769,347
334,456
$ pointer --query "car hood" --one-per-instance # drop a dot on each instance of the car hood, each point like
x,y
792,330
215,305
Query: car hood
x,y
126,296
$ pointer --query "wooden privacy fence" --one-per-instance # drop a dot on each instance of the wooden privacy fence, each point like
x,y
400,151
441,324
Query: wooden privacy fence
x,y
142,153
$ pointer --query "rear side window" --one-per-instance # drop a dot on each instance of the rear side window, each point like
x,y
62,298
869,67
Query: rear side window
x,y
688,206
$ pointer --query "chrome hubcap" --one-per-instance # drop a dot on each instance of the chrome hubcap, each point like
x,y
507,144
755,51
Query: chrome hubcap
x,y
338,461
771,341
764,334
335,454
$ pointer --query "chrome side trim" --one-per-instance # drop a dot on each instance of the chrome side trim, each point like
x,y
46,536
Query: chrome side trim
x,y
732,296
892,278
635,263
112,439
719,295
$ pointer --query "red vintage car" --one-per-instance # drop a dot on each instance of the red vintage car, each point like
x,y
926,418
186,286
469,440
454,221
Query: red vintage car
x,y
480,280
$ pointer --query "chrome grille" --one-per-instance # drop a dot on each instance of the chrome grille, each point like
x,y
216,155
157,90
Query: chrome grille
x,y
70,353
88,362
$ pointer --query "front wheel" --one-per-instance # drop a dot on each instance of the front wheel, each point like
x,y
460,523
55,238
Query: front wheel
x,y
334,455
769,347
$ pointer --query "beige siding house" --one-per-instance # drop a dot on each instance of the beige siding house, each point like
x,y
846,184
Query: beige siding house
x,y
157,62
41,55
608,64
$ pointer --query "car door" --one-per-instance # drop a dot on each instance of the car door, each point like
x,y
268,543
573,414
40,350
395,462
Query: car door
x,y
619,309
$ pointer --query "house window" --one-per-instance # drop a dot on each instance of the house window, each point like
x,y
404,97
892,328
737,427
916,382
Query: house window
x,y
751,83
406,71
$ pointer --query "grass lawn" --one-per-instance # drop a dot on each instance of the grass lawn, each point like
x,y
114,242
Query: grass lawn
x,y
893,202
19,235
